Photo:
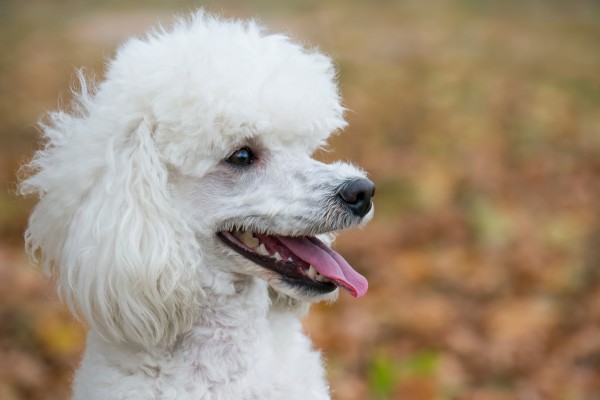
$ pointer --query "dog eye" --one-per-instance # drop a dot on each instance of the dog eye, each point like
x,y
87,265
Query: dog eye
x,y
241,157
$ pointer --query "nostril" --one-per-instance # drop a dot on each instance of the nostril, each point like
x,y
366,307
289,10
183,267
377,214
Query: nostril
x,y
357,195
349,195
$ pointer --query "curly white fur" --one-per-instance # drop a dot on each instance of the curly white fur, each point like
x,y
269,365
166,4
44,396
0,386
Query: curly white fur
x,y
133,188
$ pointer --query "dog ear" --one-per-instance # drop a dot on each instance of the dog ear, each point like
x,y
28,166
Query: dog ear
x,y
124,257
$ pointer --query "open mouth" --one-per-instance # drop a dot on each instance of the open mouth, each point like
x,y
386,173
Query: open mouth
x,y
303,261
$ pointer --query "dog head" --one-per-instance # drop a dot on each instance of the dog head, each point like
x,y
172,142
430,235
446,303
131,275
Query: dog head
x,y
192,158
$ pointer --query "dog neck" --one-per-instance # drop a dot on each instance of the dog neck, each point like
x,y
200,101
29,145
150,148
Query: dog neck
x,y
232,301
234,325
245,332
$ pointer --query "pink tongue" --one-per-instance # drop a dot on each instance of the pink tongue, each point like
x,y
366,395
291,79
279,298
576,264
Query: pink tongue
x,y
327,262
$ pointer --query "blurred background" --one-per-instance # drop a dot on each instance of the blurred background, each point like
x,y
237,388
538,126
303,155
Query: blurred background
x,y
479,121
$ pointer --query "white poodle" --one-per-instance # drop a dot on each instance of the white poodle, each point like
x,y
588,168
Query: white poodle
x,y
180,208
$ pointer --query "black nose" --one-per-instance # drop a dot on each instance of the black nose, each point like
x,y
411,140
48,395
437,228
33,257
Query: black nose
x,y
357,195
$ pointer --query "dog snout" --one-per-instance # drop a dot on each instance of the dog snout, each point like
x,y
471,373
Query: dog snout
x,y
357,195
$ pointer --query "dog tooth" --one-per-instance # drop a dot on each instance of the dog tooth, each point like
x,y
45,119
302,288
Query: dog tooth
x,y
249,240
262,250
321,278
277,256
312,272
290,259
